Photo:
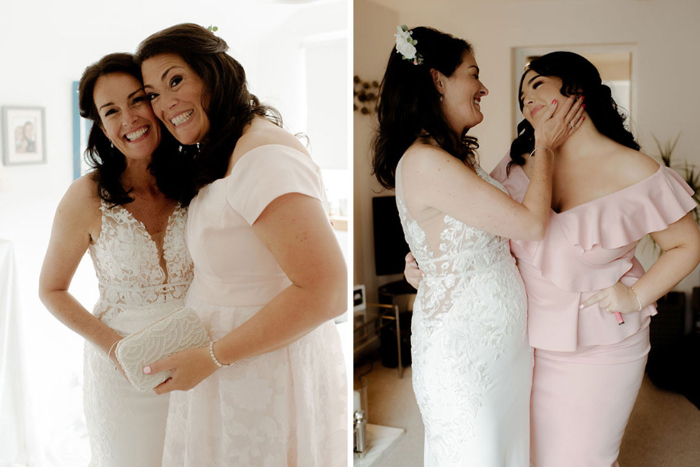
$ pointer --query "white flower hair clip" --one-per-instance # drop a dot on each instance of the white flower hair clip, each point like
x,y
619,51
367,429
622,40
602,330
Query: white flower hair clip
x,y
406,45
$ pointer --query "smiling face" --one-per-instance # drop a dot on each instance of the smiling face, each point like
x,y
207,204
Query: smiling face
x,y
125,115
537,92
176,93
462,93
29,130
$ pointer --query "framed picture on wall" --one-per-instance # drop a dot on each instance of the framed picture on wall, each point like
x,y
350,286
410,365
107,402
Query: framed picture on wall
x,y
23,135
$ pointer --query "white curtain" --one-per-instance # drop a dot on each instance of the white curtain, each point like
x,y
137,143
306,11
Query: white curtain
x,y
14,415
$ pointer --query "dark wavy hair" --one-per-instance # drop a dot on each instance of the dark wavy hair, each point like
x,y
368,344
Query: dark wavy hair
x,y
230,105
171,168
579,78
409,104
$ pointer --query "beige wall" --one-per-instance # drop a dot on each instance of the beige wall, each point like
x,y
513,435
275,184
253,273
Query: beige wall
x,y
667,54
374,29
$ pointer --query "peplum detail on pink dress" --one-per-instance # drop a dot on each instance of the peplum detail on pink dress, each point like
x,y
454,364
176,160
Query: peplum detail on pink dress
x,y
285,407
588,369
586,249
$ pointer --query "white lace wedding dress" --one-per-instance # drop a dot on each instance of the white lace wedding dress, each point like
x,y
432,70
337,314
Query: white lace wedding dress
x,y
472,365
141,279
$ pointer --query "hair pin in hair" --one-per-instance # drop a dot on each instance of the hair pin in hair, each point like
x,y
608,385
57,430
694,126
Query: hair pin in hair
x,y
406,45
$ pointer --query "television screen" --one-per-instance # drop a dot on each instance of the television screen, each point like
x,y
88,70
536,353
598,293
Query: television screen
x,y
390,247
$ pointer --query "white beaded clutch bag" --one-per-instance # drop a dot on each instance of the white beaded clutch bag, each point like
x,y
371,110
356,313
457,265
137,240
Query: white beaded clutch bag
x,y
178,331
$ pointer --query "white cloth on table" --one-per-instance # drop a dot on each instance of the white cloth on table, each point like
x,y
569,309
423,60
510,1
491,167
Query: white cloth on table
x,y
14,415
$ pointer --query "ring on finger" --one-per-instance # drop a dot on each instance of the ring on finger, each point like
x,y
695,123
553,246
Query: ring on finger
x,y
571,124
608,308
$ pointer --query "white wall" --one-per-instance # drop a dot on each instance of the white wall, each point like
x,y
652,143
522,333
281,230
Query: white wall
x,y
668,66
44,47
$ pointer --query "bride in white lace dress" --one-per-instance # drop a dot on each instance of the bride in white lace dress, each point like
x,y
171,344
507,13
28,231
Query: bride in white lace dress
x,y
472,365
135,235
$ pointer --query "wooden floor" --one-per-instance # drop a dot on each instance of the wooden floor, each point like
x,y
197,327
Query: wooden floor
x,y
663,431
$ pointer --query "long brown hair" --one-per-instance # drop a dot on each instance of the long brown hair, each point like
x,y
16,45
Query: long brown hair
x,y
409,104
230,105
172,169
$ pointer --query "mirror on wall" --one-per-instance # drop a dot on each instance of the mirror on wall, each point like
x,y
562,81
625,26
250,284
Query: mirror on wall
x,y
81,130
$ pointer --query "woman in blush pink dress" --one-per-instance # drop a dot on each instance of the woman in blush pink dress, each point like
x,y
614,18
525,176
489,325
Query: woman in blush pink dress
x,y
269,275
606,196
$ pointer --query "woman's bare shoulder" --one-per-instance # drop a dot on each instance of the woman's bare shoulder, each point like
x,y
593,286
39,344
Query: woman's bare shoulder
x,y
82,198
424,158
84,189
633,166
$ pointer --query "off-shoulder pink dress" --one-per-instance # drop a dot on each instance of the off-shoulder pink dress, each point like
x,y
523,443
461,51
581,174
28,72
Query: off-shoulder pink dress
x,y
588,369
286,407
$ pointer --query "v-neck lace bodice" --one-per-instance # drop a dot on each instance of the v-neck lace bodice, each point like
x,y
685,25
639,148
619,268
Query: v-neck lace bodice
x,y
128,263
138,285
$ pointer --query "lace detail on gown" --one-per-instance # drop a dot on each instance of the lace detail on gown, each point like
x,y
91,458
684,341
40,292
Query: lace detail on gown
x,y
128,265
469,311
127,427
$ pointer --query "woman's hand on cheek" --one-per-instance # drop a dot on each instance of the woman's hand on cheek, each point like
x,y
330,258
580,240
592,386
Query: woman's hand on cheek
x,y
558,121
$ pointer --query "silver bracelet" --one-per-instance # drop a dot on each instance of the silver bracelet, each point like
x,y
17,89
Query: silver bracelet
x,y
541,147
213,357
639,302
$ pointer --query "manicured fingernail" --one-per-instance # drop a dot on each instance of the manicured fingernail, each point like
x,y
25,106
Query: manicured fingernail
x,y
581,307
554,101
582,119
583,106
147,370
583,97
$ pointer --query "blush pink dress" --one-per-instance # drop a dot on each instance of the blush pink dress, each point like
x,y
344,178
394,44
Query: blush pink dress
x,y
282,408
588,369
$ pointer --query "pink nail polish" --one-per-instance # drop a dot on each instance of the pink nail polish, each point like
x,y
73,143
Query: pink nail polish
x,y
554,101
147,370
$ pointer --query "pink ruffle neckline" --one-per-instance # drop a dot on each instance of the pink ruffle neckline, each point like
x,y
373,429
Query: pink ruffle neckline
x,y
625,216
611,223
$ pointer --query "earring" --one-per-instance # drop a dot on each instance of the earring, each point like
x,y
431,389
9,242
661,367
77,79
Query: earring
x,y
179,149
441,96
197,146
111,144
